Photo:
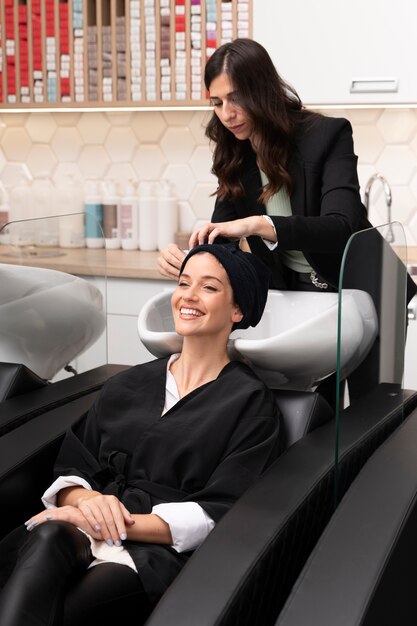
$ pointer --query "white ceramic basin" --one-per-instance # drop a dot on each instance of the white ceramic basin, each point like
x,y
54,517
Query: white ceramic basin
x,y
294,345
46,317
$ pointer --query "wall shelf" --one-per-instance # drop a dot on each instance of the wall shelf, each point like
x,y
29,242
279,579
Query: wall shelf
x,y
83,54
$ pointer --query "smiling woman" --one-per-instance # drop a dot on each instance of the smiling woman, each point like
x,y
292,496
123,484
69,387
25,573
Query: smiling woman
x,y
206,308
141,480
204,297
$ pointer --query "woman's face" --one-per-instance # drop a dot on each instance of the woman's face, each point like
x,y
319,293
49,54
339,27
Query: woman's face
x,y
203,303
225,101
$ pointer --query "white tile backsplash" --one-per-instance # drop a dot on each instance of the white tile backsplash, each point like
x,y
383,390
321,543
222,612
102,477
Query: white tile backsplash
x,y
151,145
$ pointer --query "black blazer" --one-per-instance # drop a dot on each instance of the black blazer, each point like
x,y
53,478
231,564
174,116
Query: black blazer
x,y
323,168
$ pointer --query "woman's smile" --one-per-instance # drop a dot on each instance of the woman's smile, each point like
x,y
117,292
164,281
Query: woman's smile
x,y
187,312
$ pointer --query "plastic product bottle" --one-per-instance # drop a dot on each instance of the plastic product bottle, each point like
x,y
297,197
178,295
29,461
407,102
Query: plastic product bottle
x,y
148,216
71,221
93,216
4,216
167,215
110,215
128,217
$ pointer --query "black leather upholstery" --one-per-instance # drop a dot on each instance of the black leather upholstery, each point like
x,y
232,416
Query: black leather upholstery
x,y
16,379
27,455
301,413
32,427
16,410
363,569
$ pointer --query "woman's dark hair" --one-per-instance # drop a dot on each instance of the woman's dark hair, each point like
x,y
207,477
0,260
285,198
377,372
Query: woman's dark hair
x,y
273,106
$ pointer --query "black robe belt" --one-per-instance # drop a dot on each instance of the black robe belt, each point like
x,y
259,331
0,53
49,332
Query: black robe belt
x,y
113,481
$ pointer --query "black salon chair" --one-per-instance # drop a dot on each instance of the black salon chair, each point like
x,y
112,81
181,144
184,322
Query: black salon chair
x,y
244,571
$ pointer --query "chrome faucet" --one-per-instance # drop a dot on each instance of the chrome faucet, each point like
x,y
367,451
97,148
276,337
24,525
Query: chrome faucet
x,y
388,200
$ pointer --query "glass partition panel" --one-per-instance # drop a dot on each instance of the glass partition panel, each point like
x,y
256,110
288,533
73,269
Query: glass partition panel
x,y
52,296
372,318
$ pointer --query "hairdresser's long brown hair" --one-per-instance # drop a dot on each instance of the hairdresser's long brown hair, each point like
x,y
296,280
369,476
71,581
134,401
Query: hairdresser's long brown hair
x,y
273,106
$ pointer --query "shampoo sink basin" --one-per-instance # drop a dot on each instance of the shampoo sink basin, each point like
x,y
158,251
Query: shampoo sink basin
x,y
295,344
46,318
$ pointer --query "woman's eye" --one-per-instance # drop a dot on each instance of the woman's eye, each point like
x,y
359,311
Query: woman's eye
x,y
182,283
211,288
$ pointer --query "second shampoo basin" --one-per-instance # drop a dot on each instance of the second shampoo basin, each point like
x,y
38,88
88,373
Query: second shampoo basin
x,y
47,317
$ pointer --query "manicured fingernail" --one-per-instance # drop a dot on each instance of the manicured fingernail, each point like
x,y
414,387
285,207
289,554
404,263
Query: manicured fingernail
x,y
28,522
118,543
97,527
32,525
123,536
109,542
48,517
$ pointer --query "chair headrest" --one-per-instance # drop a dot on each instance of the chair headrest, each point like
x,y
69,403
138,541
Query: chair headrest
x,y
301,412
16,379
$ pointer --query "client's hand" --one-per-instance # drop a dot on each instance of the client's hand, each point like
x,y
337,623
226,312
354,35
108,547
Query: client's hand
x,y
66,513
106,515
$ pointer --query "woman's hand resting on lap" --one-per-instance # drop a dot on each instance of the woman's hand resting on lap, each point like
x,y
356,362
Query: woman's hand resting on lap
x,y
103,517
67,513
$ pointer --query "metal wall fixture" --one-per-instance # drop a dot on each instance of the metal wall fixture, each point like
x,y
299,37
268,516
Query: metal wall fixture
x,y
388,201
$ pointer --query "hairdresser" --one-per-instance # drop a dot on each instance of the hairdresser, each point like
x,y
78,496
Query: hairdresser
x,y
287,177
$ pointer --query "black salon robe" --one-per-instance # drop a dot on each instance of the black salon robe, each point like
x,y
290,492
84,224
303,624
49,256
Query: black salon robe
x,y
207,449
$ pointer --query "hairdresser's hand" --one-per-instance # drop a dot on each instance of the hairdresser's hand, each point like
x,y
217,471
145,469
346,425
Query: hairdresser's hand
x,y
106,515
234,230
66,513
170,260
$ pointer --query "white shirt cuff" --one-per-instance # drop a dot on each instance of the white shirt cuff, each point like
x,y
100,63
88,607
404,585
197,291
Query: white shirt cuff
x,y
188,522
270,244
49,497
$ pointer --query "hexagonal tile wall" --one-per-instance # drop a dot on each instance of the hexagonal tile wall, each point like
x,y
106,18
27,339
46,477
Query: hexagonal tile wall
x,y
16,144
93,127
93,161
151,145
67,143
148,127
41,160
396,128
120,143
40,128
177,144
149,162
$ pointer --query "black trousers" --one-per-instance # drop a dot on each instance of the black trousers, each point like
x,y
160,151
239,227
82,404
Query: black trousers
x,y
44,581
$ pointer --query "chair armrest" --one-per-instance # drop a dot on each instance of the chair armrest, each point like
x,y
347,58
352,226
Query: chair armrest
x,y
17,410
373,534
